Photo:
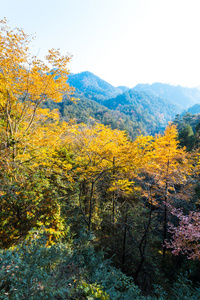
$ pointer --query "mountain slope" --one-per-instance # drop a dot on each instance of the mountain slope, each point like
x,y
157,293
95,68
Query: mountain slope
x,y
89,111
155,111
181,96
93,87
195,109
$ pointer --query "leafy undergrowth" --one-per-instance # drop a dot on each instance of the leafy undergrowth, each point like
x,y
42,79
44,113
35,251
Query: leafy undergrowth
x,y
70,270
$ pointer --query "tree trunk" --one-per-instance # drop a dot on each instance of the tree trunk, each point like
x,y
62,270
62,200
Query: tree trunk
x,y
124,241
90,206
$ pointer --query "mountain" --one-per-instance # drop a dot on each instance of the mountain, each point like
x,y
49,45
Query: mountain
x,y
132,110
120,107
182,96
123,88
93,87
155,112
195,109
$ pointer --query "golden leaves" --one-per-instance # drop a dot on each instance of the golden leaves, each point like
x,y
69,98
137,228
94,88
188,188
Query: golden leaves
x,y
27,130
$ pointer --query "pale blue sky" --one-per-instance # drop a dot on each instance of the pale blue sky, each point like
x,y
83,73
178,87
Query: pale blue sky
x,y
124,42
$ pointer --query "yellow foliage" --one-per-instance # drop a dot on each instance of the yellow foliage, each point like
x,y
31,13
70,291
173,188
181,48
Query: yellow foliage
x,y
123,185
30,135
26,82
169,163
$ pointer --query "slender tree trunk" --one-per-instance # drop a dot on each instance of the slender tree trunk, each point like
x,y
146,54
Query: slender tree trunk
x,y
80,203
83,196
90,206
14,151
124,240
165,211
165,222
139,267
113,199
143,242
164,230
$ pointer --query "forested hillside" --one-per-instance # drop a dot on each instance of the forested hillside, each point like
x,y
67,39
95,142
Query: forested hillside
x,y
89,111
154,112
86,212
136,113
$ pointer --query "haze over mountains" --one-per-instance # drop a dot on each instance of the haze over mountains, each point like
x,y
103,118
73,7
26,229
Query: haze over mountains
x,y
145,108
195,109
181,96
96,88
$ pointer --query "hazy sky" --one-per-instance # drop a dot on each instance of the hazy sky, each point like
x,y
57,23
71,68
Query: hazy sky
x,y
124,42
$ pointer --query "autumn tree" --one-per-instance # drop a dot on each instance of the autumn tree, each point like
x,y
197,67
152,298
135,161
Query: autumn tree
x,y
170,169
162,179
29,134
95,146
26,83
186,236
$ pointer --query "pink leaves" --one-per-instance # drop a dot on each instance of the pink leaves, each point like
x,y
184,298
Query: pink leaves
x,y
186,236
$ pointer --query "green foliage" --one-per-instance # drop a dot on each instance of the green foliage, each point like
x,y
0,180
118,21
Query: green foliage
x,y
33,270
159,292
186,137
188,126
93,291
186,119
152,111
29,270
27,201
183,289
88,111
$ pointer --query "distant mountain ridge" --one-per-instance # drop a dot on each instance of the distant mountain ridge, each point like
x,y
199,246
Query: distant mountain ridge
x,y
92,87
195,109
123,88
182,96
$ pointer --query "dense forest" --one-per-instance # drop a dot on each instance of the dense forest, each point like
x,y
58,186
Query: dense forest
x,y
132,111
90,211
